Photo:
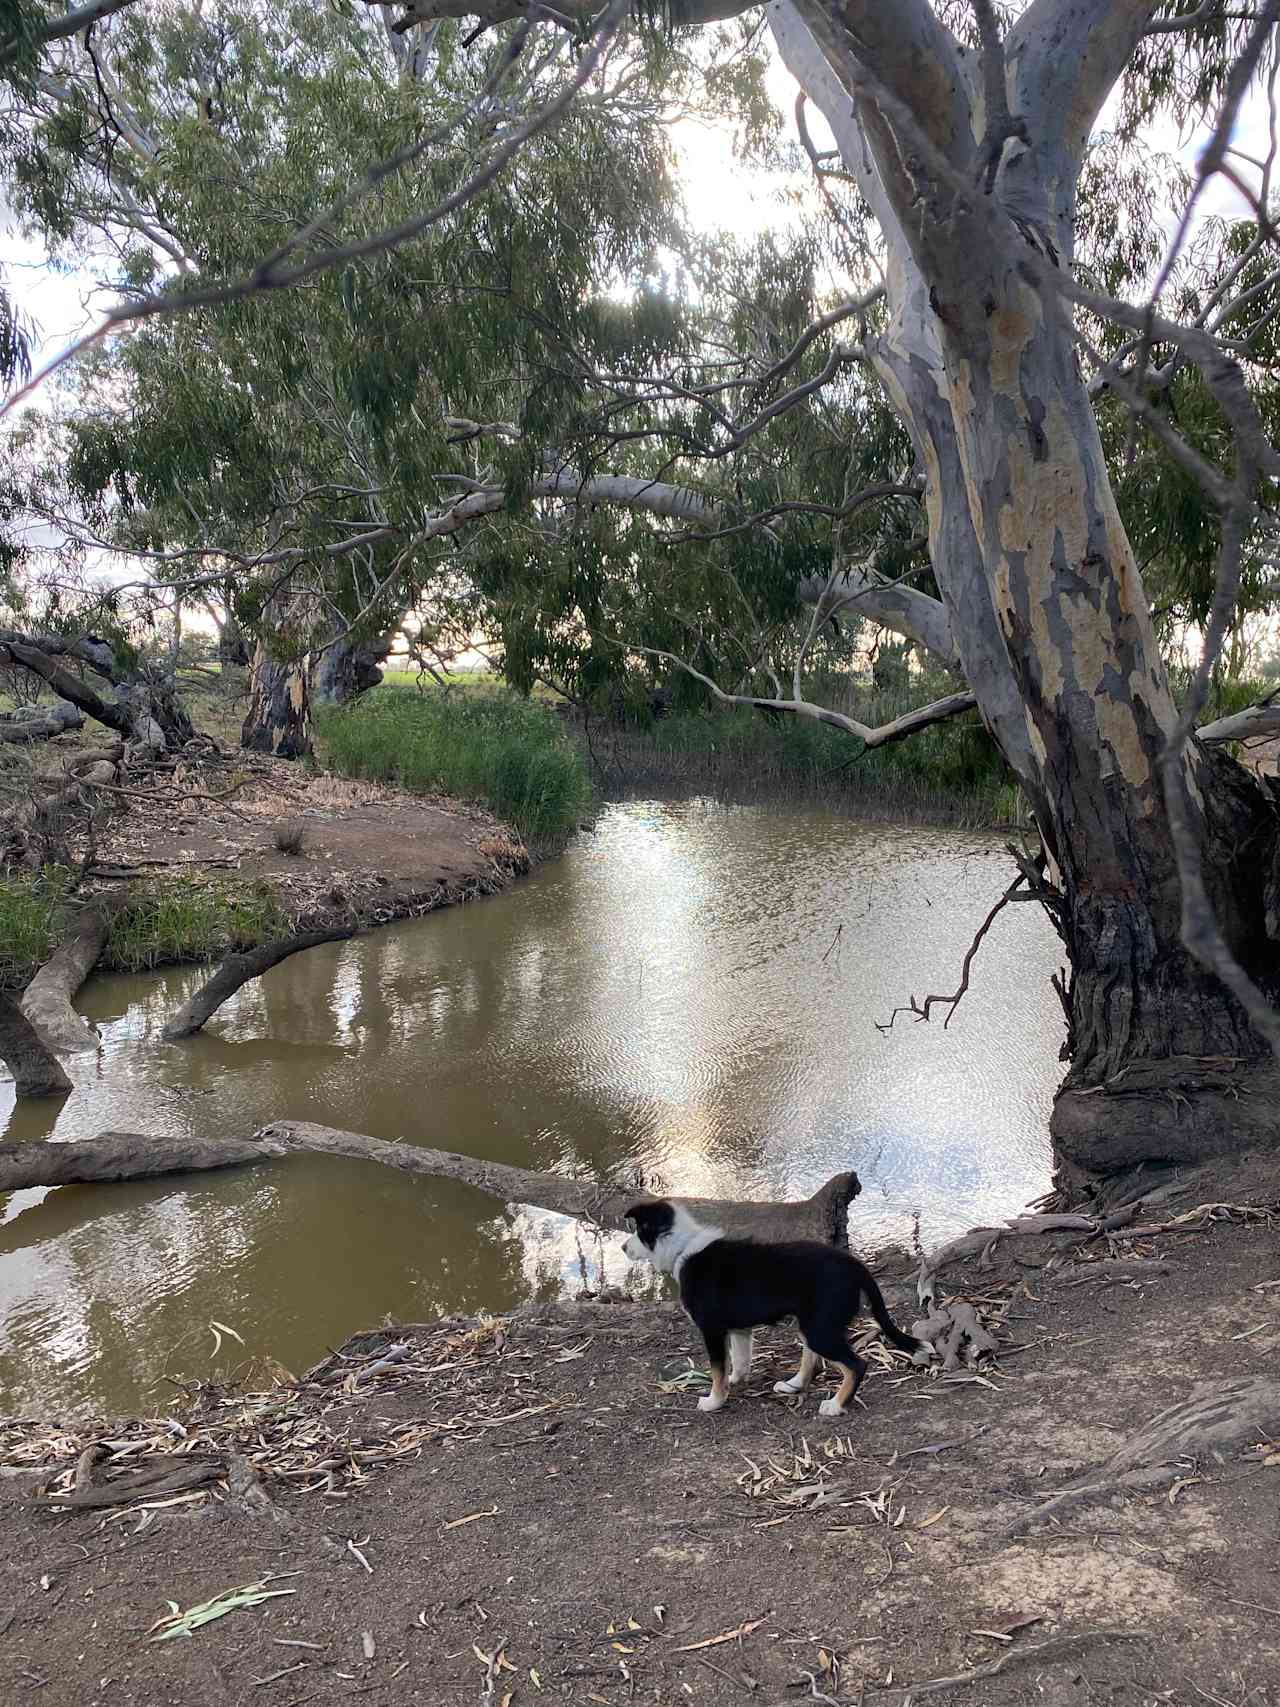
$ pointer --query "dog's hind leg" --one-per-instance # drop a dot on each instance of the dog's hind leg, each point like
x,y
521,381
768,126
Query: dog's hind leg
x,y
719,1386
832,1345
803,1376
741,1347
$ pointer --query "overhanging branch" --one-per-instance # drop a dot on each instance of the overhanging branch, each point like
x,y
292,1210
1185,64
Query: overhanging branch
x,y
910,723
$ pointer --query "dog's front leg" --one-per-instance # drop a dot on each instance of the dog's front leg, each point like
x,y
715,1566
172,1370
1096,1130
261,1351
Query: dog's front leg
x,y
741,1349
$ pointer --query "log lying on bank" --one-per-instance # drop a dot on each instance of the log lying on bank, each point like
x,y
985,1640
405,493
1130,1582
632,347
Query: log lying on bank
x,y
129,1155
35,1068
41,725
46,1001
236,970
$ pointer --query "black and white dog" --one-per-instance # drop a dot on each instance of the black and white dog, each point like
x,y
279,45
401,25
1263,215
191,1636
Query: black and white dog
x,y
730,1286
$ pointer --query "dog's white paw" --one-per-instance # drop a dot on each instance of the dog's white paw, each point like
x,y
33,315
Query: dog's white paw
x,y
831,1408
711,1403
793,1385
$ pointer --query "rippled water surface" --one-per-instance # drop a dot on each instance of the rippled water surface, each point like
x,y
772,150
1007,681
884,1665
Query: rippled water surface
x,y
690,995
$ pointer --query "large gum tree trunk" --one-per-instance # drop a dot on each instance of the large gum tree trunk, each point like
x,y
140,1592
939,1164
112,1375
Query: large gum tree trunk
x,y
1042,596
279,716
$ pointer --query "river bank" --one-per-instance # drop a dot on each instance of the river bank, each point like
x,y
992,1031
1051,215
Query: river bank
x,y
287,850
531,1506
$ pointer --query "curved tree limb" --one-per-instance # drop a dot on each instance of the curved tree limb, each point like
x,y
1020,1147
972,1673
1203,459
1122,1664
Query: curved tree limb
x,y
910,723
238,969
35,1068
46,1001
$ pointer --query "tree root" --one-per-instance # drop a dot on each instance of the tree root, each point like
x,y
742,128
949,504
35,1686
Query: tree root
x,y
1055,1648
1217,1417
959,1322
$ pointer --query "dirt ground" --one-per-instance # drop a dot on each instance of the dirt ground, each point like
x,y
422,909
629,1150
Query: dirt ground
x,y
367,851
534,1509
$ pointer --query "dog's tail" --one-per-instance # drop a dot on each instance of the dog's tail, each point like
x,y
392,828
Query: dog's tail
x,y
888,1327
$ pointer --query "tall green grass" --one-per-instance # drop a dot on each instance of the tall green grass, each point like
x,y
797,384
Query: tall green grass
x,y
181,919
492,747
175,919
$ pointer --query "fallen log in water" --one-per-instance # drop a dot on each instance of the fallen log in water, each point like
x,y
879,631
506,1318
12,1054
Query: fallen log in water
x,y
129,1155
46,1001
125,1155
238,969
35,1068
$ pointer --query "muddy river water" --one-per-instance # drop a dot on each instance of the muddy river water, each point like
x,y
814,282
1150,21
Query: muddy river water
x,y
687,997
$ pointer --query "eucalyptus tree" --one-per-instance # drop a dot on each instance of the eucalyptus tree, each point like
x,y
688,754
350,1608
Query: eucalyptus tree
x,y
289,446
956,197
965,134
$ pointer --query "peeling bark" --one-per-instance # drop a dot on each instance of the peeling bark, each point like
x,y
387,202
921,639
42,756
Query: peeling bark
x,y
279,716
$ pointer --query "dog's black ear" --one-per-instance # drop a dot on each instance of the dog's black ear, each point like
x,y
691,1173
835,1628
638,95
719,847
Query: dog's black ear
x,y
652,1219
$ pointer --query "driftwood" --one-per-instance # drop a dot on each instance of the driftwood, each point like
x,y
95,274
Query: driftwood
x,y
124,1155
43,725
238,969
35,1068
46,1001
1218,1417
155,1482
128,1155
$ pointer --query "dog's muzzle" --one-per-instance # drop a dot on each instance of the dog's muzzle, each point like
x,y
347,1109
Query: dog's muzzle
x,y
635,1250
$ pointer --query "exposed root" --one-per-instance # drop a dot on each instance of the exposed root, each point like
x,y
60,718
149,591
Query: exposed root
x,y
1056,1648
1217,1417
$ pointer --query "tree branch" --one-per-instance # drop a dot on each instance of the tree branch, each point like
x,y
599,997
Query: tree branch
x,y
67,24
910,723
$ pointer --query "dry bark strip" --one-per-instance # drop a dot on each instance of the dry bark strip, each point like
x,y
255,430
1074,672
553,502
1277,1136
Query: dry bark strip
x,y
238,969
129,1155
35,1068
1218,1416
46,1001
155,1482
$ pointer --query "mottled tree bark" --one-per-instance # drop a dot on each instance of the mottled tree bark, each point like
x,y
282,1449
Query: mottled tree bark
x,y
46,1001
1046,608
279,716
346,669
